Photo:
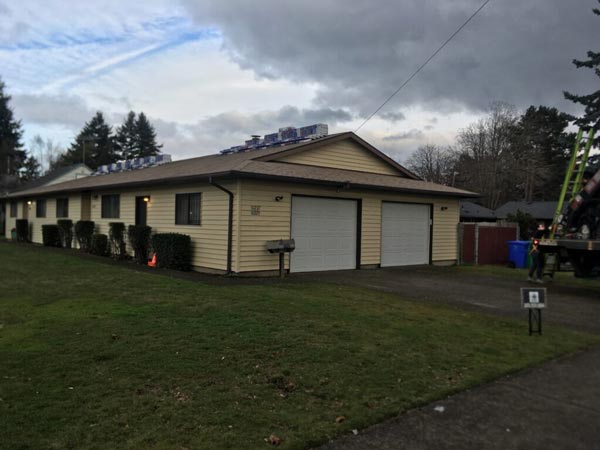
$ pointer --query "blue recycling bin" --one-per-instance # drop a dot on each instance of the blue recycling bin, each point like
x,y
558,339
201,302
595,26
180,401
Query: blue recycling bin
x,y
517,253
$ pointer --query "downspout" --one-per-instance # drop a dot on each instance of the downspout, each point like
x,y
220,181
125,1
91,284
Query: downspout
x,y
230,222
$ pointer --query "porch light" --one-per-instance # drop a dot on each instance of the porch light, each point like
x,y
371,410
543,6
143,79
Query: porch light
x,y
147,199
29,202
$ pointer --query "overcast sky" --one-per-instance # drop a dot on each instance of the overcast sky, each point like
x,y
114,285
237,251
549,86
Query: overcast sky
x,y
210,73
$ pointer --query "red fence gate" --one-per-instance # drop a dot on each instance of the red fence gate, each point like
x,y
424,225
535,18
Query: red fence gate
x,y
485,242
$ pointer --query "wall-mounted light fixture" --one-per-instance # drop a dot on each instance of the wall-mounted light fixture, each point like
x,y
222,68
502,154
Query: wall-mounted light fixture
x,y
29,202
279,198
146,198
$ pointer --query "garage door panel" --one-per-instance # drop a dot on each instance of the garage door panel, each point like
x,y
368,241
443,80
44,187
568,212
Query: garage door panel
x,y
405,234
325,234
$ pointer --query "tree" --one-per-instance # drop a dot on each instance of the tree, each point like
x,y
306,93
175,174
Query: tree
x,y
540,153
126,137
31,169
483,155
11,154
433,163
94,145
591,102
145,138
46,152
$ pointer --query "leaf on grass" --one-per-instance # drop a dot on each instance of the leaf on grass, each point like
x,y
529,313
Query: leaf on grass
x,y
273,440
339,419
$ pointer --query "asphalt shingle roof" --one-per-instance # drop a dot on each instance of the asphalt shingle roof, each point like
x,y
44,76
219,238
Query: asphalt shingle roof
x,y
538,210
470,210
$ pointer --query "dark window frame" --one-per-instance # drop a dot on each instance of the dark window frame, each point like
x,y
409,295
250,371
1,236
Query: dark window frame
x,y
40,208
62,209
14,208
188,208
111,206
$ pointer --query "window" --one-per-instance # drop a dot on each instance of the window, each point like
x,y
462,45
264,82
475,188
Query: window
x,y
187,209
62,207
40,207
111,205
13,208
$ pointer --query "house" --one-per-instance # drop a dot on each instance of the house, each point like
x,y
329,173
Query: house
x,y
472,212
56,176
540,211
346,204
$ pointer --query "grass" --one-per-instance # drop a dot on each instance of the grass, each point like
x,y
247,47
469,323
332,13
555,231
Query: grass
x,y
96,356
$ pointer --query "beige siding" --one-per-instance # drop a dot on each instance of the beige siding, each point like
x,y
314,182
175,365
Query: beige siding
x,y
35,223
209,240
274,221
11,222
342,155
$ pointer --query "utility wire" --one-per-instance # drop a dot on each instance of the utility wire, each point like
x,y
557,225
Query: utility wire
x,y
414,74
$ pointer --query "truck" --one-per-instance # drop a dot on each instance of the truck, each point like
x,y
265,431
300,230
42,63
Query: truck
x,y
576,233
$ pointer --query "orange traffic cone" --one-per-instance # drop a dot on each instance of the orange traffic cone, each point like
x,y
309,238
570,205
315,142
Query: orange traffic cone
x,y
152,262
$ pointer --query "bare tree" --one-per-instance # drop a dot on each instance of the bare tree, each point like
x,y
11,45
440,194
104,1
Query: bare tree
x,y
483,151
46,152
433,163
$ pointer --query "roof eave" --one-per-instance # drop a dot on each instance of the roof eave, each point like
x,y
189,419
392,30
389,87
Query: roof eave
x,y
344,185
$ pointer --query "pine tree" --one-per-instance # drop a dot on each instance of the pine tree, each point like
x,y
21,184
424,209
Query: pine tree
x,y
126,137
31,169
145,138
94,145
11,154
591,102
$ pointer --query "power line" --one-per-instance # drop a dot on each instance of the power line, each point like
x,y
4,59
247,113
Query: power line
x,y
424,64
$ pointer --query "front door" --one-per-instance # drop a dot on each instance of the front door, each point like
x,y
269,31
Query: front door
x,y
141,210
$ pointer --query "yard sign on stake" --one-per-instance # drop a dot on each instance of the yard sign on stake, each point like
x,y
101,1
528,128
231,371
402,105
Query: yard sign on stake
x,y
534,300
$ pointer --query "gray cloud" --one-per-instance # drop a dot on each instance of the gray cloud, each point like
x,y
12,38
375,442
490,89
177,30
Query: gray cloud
x,y
360,53
393,116
69,111
405,135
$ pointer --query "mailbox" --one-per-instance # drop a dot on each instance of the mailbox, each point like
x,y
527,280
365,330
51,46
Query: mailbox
x,y
282,246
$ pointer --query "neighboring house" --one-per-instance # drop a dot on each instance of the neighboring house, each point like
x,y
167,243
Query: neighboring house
x,y
56,176
346,204
472,212
540,211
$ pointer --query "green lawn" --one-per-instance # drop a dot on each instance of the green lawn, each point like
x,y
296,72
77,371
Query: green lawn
x,y
95,356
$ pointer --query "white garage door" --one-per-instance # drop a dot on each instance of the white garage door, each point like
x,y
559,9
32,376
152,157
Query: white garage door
x,y
325,234
404,234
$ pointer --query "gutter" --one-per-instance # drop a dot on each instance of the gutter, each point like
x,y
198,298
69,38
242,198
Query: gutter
x,y
230,222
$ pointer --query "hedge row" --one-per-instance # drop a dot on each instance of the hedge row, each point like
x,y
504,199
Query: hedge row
x,y
51,236
173,250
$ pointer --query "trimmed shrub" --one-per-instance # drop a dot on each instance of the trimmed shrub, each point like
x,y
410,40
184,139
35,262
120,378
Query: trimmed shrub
x,y
139,239
22,226
116,235
50,236
173,250
99,244
84,229
65,229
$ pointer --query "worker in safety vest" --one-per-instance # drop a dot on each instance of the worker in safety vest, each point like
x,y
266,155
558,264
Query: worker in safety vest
x,y
537,259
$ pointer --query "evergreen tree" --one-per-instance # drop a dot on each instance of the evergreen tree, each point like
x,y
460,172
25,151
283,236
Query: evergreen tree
x,y
94,145
540,153
591,102
145,138
31,169
11,154
126,137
